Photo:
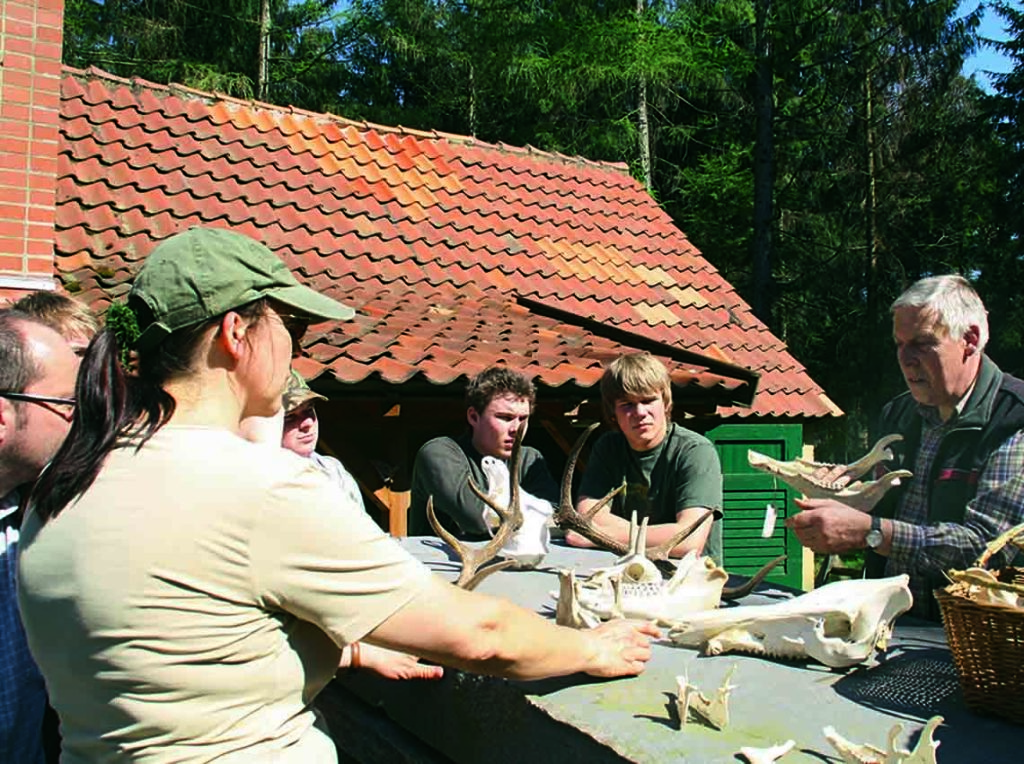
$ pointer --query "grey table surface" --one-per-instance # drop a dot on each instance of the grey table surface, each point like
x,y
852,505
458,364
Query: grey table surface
x,y
471,718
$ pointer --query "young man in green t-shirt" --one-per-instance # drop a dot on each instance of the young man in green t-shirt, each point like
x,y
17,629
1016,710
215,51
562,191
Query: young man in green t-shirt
x,y
673,475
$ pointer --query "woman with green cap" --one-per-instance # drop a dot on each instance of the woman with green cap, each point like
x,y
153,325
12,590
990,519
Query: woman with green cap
x,y
187,593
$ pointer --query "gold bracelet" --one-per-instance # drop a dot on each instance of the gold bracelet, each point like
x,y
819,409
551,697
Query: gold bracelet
x,y
354,662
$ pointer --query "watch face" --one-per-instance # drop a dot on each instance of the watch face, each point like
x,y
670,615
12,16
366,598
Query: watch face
x,y
873,539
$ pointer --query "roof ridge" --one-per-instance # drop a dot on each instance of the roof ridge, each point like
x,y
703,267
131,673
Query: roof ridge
x,y
174,88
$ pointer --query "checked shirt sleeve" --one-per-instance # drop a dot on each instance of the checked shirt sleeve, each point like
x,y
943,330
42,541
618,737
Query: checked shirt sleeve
x,y
998,506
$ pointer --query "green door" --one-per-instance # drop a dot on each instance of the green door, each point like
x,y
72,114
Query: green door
x,y
747,493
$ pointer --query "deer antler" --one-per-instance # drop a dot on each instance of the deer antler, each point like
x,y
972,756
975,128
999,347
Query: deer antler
x,y
477,560
738,592
567,518
664,549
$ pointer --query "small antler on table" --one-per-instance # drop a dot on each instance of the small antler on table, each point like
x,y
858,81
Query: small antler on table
x,y
478,562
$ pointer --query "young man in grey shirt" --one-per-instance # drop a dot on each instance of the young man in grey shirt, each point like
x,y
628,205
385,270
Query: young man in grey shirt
x,y
498,402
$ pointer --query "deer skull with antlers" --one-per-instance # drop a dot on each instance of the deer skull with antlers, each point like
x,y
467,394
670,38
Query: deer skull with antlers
x,y
634,588
567,518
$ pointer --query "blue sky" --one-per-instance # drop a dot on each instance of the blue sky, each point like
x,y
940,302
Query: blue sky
x,y
987,59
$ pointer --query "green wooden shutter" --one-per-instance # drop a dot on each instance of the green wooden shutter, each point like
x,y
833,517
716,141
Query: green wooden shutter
x,y
746,494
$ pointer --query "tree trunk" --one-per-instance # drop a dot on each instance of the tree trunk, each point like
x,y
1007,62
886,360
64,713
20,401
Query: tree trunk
x,y
870,203
763,170
645,138
645,128
471,116
264,51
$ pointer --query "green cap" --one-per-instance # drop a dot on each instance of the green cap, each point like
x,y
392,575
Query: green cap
x,y
297,393
202,273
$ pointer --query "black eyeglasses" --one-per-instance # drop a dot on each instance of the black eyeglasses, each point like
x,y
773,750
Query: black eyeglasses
x,y
33,398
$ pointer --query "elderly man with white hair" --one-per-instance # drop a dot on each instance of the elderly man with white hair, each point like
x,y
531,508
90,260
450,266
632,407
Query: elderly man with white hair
x,y
962,422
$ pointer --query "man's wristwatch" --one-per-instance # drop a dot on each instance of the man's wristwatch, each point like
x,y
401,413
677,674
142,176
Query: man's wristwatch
x,y
874,538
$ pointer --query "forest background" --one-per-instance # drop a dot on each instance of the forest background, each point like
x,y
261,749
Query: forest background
x,y
822,154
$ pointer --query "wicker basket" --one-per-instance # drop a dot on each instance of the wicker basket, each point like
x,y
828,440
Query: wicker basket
x,y
987,641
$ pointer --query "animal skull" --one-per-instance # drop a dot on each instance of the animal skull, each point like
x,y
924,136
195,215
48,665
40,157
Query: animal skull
x,y
634,588
811,478
529,544
838,625
567,518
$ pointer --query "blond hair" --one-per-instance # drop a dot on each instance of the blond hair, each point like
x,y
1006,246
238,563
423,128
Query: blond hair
x,y
634,374
65,315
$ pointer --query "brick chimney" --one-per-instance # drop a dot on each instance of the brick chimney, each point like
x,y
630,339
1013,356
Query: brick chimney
x,y
30,50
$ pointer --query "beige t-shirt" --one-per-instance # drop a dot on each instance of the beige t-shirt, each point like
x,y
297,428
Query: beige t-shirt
x,y
191,604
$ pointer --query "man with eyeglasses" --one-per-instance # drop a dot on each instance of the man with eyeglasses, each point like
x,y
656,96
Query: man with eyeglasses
x,y
37,383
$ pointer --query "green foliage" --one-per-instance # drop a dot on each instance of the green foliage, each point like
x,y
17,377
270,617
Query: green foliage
x,y
212,45
885,164
85,25
120,320
1003,271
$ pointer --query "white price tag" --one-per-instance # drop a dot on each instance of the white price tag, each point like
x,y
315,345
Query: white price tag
x,y
770,514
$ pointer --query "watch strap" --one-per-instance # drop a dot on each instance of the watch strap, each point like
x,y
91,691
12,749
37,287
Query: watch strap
x,y
874,537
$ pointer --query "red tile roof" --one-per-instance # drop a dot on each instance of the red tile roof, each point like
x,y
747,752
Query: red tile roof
x,y
456,253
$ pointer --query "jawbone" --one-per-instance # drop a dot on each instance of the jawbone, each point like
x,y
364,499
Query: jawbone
x,y
839,625
613,592
807,477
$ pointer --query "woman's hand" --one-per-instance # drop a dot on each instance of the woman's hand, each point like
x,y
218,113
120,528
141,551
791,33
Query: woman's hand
x,y
621,647
395,665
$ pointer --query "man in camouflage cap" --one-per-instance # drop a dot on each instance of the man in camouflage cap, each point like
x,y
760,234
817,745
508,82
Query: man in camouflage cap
x,y
299,394
302,431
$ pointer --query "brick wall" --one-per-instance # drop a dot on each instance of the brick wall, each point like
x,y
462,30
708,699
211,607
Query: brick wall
x,y
30,50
